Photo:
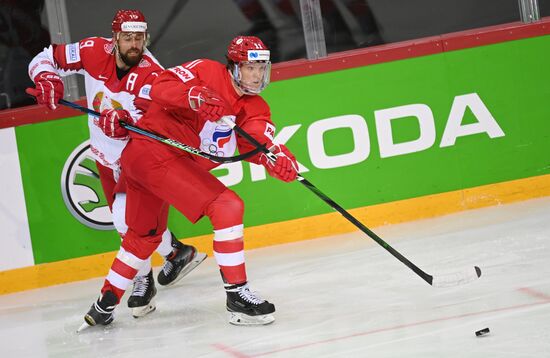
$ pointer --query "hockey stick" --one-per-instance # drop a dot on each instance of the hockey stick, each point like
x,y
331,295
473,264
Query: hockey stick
x,y
448,280
168,141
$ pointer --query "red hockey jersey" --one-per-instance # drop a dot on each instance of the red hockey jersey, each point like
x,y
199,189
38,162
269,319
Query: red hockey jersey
x,y
171,116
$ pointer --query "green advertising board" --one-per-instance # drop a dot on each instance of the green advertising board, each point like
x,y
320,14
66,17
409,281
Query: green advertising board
x,y
364,136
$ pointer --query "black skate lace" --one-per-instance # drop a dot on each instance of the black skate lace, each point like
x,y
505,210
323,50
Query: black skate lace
x,y
141,284
247,295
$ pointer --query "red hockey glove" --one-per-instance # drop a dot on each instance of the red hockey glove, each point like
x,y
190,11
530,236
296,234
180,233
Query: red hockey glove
x,y
109,123
210,105
285,168
49,89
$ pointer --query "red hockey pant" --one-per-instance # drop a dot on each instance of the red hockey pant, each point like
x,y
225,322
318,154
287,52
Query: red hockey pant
x,y
156,177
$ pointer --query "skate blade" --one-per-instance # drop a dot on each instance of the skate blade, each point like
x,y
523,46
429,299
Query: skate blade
x,y
83,327
241,319
199,257
138,312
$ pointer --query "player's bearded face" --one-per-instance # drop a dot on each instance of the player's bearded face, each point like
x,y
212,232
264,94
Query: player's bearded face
x,y
130,47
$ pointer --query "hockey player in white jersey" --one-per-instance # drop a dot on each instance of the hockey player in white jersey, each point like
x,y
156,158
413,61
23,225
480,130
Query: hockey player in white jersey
x,y
118,73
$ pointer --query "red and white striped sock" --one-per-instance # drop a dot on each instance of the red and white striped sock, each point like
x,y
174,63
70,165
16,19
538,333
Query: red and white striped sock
x,y
122,272
229,253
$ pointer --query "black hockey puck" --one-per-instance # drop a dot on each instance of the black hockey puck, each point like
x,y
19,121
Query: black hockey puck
x,y
482,332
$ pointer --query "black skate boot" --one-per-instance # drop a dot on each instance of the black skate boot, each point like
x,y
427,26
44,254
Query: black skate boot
x,y
246,307
141,301
182,260
101,311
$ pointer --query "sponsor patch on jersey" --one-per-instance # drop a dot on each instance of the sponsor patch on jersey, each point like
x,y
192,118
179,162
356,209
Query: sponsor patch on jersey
x,y
269,131
258,55
145,91
39,65
144,63
108,47
183,73
72,53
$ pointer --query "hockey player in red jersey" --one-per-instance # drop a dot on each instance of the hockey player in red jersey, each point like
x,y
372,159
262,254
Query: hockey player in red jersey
x,y
118,73
187,104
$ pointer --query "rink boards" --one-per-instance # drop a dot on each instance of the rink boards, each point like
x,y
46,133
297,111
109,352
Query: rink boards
x,y
395,133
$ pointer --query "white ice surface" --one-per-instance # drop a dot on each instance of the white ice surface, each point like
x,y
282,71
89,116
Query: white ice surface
x,y
341,296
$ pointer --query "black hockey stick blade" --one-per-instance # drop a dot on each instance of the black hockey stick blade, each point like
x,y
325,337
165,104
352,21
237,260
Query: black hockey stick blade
x,y
454,279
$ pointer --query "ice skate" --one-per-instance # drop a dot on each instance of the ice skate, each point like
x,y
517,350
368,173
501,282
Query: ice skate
x,y
141,301
101,311
182,260
246,307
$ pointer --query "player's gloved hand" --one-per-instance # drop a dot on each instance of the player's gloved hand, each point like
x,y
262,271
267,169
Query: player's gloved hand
x,y
109,123
285,168
49,89
210,105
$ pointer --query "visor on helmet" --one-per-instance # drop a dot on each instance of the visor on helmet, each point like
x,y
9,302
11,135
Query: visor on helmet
x,y
256,74
254,78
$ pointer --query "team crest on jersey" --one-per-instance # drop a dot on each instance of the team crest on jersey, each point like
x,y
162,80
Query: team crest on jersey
x,y
101,102
221,136
82,192
217,139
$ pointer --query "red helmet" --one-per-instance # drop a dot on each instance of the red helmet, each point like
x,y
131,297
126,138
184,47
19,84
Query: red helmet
x,y
247,48
252,51
129,21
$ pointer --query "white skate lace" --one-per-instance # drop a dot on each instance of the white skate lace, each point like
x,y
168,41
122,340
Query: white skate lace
x,y
141,284
247,295
167,268
107,310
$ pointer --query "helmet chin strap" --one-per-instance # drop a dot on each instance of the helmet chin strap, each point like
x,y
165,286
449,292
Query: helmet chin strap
x,y
117,50
248,90
115,43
